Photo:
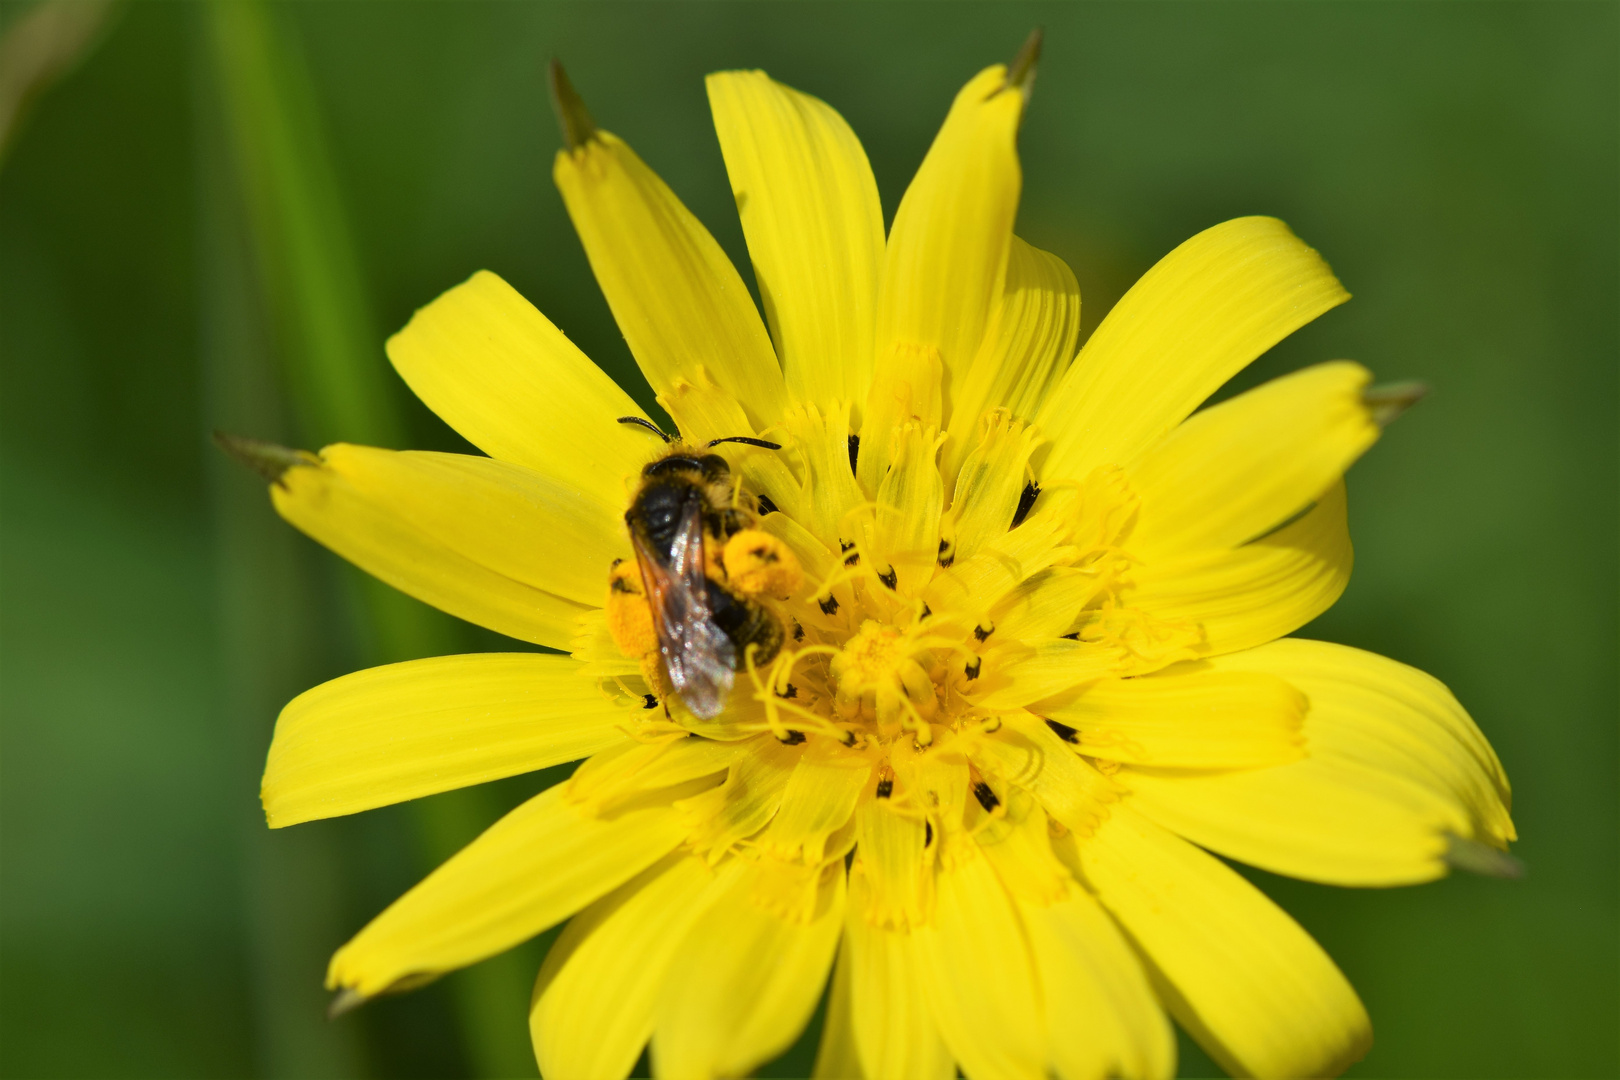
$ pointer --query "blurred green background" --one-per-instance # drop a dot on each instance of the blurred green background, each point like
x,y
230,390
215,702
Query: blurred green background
x,y
216,213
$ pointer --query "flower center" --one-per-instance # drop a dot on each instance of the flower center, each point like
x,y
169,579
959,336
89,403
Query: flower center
x,y
882,676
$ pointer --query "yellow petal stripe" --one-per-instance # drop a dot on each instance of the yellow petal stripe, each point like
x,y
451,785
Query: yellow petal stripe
x,y
810,211
458,554
1193,321
499,372
894,1030
1260,591
1251,986
530,870
594,1001
406,730
675,295
947,253
1102,1018
1236,471
1188,716
746,979
1395,768
978,976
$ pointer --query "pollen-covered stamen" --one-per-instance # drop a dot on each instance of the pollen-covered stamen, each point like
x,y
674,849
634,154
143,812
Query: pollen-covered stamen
x,y
881,676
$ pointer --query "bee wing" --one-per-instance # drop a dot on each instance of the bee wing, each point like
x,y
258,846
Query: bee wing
x,y
698,655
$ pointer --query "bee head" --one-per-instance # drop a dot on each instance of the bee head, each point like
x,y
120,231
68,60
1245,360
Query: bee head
x,y
711,467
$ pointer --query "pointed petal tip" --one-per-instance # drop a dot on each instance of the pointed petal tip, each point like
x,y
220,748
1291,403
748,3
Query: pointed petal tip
x,y
572,116
1021,72
1388,402
1477,858
345,1000
269,460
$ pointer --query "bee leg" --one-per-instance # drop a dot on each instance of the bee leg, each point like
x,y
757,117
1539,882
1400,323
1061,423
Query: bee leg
x,y
629,618
652,672
758,564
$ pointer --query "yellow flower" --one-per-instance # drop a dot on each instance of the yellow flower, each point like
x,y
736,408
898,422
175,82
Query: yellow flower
x,y
1032,660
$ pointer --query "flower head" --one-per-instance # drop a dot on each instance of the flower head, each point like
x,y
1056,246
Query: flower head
x,y
930,657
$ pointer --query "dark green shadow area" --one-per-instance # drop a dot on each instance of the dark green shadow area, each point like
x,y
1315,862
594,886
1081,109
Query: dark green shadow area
x,y
1459,165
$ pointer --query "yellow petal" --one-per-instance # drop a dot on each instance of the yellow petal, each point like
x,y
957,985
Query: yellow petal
x,y
676,297
745,803
1037,330
470,536
1188,716
946,260
893,1029
499,372
406,730
1047,605
1193,321
520,523
746,979
1027,753
978,585
530,870
1395,768
1014,837
810,212
907,386
906,539
594,1000
1034,675
1251,986
837,1058
1258,592
819,799
896,879
978,975
1236,471
1026,349
623,775
830,492
1102,1018
988,486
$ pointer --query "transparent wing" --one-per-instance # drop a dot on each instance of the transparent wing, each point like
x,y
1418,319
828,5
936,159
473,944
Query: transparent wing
x,y
698,656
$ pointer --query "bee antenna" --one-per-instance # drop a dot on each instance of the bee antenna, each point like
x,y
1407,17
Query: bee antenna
x,y
639,421
747,440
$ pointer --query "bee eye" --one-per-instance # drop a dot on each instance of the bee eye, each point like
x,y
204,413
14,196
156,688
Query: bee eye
x,y
714,465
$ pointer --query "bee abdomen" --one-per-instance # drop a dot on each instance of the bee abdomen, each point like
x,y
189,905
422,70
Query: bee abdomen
x,y
745,623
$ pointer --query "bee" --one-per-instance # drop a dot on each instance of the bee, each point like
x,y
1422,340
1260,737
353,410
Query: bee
x,y
696,607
